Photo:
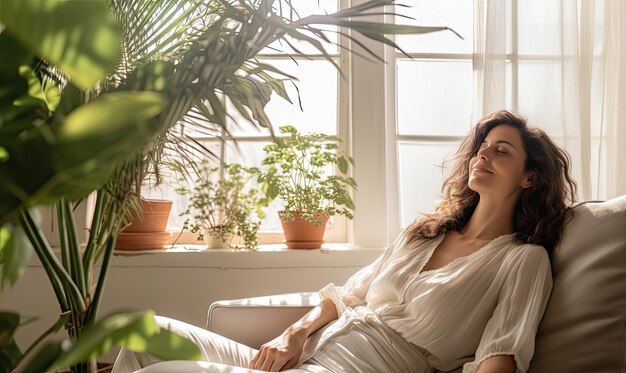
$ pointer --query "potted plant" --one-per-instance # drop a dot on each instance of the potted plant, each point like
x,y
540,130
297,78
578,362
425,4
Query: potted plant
x,y
77,140
224,210
299,173
146,229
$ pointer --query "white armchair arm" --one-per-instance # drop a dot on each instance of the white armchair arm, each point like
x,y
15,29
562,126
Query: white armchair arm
x,y
254,321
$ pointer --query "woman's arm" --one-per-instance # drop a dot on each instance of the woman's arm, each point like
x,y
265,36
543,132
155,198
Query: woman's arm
x,y
512,328
283,352
498,364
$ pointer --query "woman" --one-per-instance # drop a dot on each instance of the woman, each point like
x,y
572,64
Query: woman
x,y
464,286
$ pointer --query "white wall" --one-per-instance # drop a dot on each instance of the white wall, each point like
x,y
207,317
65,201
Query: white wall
x,y
183,284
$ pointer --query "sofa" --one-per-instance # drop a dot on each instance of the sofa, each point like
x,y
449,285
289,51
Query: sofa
x,y
584,325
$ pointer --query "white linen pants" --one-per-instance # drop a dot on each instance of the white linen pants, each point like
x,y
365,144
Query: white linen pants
x,y
220,354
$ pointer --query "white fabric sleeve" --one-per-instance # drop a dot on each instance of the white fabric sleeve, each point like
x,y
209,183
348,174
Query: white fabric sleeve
x,y
354,292
522,301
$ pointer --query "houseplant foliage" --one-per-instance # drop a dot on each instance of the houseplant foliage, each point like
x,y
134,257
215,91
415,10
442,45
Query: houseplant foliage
x,y
225,207
299,172
90,94
58,145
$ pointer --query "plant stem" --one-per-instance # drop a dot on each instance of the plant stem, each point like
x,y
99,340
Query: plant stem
x,y
51,262
73,248
92,313
62,236
45,256
96,219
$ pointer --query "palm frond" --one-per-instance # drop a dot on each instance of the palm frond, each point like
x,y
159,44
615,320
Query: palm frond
x,y
212,49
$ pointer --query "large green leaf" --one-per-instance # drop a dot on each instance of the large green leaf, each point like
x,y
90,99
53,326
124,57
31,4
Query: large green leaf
x,y
47,95
137,331
9,351
13,54
12,85
81,37
110,128
27,167
15,253
78,154
96,138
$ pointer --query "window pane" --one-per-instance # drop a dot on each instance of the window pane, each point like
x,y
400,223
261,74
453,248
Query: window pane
x,y
317,86
421,176
452,13
434,97
540,94
305,8
246,153
539,26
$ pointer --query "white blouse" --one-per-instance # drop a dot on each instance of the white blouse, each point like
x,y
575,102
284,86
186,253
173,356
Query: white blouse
x,y
487,303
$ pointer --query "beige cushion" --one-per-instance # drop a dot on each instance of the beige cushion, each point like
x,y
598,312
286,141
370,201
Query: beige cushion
x,y
266,316
584,326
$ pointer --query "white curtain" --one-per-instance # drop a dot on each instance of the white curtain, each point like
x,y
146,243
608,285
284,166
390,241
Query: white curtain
x,y
562,64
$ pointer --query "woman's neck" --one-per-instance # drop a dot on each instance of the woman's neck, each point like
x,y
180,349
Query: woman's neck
x,y
490,219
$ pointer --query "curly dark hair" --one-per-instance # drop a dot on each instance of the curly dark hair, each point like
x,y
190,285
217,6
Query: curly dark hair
x,y
542,209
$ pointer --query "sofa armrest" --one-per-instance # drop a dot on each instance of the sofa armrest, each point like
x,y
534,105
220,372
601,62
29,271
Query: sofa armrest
x,y
254,321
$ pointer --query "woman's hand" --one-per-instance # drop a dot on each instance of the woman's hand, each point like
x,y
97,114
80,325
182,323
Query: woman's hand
x,y
283,352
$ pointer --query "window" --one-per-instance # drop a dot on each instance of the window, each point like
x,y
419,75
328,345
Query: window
x,y
402,119
538,71
433,103
318,86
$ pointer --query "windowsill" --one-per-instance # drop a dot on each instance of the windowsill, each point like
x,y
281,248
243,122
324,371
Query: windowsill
x,y
195,248
267,256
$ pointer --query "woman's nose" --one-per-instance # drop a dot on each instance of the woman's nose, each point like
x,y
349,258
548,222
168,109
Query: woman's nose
x,y
482,153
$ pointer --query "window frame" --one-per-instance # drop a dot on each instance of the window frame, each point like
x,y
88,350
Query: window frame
x,y
338,227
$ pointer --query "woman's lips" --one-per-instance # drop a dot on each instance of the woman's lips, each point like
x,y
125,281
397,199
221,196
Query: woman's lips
x,y
482,170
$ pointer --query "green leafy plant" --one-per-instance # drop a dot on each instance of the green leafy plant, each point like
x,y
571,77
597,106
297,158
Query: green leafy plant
x,y
135,330
225,207
298,172
98,113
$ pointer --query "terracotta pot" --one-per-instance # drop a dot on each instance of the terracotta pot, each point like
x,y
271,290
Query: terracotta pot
x,y
154,216
142,240
147,229
300,234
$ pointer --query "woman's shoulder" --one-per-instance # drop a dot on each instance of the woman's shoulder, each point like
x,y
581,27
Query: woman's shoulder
x,y
517,251
527,263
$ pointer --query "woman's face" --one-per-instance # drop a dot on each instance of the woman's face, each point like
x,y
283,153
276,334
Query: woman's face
x,y
498,168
